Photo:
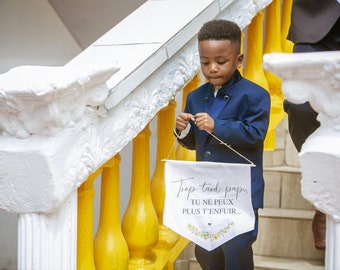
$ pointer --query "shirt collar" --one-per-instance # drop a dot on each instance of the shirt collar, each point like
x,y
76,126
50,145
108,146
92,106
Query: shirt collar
x,y
236,77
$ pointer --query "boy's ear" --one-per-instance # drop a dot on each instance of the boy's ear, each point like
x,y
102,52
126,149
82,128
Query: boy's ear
x,y
239,60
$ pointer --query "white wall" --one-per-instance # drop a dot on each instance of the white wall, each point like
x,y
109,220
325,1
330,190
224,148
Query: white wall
x,y
31,33
88,20
8,241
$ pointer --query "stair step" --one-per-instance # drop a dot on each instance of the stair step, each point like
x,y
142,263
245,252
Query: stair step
x,y
283,188
267,263
273,263
284,169
286,213
286,233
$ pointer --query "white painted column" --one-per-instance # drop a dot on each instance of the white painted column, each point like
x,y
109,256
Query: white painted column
x,y
333,243
314,77
48,147
48,241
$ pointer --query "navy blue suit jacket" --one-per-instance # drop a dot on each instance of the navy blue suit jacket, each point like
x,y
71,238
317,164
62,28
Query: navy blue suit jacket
x,y
241,114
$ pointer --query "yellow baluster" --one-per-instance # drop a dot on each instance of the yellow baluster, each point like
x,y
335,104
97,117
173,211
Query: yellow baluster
x,y
86,192
287,45
253,68
140,224
273,44
240,69
165,150
181,152
110,248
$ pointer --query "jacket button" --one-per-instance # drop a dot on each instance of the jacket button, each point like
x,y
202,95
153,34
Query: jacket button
x,y
207,153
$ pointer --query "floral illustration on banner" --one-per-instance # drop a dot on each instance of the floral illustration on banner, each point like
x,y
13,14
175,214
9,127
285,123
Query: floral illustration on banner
x,y
207,235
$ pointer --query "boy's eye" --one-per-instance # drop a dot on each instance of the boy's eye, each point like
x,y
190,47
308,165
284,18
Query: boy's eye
x,y
206,63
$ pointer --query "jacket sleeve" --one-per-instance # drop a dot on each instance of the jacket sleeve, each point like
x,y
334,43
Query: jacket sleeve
x,y
187,141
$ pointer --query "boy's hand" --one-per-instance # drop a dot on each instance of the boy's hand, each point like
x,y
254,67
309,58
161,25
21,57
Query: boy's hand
x,y
183,119
205,122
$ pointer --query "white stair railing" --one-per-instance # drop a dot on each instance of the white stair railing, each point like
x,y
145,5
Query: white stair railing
x,y
58,125
314,77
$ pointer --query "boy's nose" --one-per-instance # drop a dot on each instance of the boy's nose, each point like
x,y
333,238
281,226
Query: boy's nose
x,y
213,68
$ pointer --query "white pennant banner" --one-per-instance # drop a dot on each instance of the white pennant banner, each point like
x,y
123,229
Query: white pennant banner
x,y
208,203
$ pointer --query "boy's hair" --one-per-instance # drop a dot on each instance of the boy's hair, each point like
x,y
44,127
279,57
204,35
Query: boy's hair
x,y
221,30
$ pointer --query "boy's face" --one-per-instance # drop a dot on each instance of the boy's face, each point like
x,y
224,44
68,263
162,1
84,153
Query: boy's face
x,y
219,59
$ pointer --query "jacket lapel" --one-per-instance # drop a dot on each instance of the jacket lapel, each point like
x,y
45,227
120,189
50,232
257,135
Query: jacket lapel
x,y
215,105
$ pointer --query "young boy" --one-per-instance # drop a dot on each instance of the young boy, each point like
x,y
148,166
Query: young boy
x,y
236,111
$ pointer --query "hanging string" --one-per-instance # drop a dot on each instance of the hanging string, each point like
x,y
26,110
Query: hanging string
x,y
232,149
172,147
221,142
